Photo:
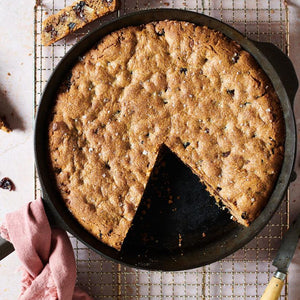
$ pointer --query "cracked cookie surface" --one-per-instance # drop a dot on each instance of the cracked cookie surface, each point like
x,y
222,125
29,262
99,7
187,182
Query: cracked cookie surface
x,y
173,83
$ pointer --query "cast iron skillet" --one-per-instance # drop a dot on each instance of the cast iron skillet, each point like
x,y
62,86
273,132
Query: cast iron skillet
x,y
186,229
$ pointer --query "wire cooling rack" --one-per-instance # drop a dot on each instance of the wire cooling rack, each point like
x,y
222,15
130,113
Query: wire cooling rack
x,y
243,275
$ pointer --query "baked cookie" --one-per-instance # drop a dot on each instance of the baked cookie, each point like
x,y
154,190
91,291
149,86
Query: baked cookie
x,y
167,83
74,17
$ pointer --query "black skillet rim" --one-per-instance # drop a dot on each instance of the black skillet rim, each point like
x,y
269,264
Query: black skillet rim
x,y
197,257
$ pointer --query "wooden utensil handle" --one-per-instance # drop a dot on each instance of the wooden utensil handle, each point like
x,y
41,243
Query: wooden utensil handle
x,y
273,290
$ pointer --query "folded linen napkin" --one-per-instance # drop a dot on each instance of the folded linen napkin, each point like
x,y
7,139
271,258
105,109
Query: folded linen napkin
x,y
48,262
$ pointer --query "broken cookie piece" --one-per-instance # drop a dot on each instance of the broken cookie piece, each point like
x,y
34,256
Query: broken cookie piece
x,y
3,125
74,17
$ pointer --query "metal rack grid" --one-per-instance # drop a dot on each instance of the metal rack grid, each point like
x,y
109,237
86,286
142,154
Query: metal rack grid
x,y
243,275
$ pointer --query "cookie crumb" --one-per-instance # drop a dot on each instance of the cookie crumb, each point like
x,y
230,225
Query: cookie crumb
x,y
3,125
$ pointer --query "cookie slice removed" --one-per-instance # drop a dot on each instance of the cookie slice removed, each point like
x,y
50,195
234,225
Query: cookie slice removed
x,y
73,17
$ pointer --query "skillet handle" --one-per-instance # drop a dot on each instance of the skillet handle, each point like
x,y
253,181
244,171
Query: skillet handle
x,y
282,65
54,219
5,248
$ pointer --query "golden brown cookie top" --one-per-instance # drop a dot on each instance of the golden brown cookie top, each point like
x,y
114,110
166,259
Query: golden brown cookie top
x,y
171,83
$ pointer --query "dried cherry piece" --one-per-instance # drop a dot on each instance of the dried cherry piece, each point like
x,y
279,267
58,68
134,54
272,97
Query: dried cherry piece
x,y
50,29
226,154
7,184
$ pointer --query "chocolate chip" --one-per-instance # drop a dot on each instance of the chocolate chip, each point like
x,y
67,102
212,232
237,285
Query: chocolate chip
x,y
79,9
218,189
71,25
165,101
7,184
183,70
107,166
161,33
226,154
100,235
206,130
57,170
63,18
186,144
244,215
230,92
110,232
235,57
95,131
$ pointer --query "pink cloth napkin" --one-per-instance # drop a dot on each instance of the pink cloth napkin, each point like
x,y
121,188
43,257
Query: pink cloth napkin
x,y
49,269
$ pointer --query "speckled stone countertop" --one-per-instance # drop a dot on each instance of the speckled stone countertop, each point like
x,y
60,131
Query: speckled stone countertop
x,y
16,102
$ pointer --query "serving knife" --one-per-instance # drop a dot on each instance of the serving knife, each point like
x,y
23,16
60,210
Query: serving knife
x,y
282,261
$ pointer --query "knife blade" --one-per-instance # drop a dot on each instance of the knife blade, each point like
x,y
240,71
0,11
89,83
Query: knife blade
x,y
282,261
288,246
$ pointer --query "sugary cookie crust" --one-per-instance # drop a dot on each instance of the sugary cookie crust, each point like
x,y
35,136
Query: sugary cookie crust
x,y
171,83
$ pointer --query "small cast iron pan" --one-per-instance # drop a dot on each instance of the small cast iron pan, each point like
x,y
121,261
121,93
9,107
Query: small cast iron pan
x,y
178,225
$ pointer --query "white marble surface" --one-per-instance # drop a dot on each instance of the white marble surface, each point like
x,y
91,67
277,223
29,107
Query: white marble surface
x,y
16,99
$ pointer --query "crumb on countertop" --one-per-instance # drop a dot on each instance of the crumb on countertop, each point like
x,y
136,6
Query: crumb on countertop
x,y
3,125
